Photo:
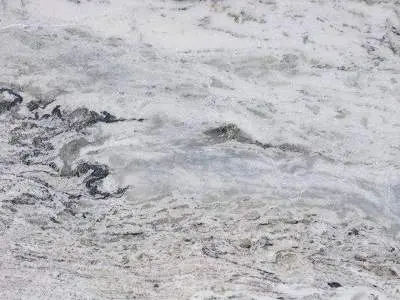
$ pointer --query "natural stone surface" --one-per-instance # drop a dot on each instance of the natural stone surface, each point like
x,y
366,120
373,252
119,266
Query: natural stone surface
x,y
210,149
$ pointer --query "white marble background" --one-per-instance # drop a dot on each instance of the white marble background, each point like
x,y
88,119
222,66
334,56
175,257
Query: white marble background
x,y
205,215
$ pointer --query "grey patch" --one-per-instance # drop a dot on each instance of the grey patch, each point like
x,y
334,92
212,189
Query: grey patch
x,y
24,199
216,83
364,122
246,244
8,99
227,133
292,148
82,117
40,142
258,113
342,113
314,108
40,103
69,152
306,38
231,132
289,61
264,242
394,197
217,249
243,17
32,105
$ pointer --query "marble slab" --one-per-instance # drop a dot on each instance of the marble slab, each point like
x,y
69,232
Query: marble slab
x,y
199,149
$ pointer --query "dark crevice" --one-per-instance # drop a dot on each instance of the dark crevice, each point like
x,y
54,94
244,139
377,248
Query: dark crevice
x,y
231,132
94,179
82,117
36,104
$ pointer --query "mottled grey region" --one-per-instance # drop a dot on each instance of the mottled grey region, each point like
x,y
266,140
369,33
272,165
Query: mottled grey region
x,y
185,149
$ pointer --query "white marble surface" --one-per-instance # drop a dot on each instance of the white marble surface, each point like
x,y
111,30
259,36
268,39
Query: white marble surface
x,y
252,151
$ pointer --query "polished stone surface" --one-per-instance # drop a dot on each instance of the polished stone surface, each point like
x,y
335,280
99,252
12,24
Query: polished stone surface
x,y
199,149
